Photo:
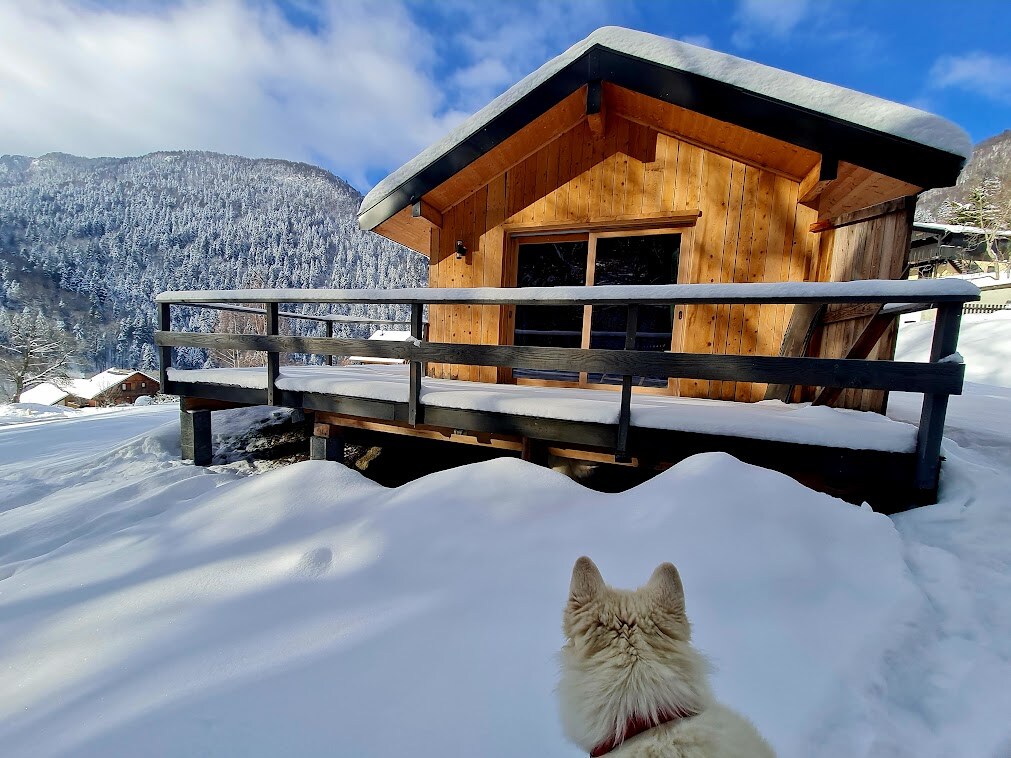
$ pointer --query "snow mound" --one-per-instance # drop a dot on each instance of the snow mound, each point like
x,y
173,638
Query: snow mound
x,y
296,611
20,413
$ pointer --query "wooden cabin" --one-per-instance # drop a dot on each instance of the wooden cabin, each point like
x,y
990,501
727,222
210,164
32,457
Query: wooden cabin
x,y
642,215
634,159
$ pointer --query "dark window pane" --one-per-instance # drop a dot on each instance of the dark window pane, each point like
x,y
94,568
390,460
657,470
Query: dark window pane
x,y
550,264
648,259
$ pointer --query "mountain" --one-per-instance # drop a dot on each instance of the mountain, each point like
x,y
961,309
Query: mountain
x,y
93,240
991,157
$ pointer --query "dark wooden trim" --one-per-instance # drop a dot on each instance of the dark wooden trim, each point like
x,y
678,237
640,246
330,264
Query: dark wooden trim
x,y
813,372
888,154
164,351
625,412
415,413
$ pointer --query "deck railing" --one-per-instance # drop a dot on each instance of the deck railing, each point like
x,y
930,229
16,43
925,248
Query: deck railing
x,y
936,379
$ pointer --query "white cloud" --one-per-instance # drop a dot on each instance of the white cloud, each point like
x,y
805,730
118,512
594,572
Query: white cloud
x,y
503,42
353,91
763,19
978,72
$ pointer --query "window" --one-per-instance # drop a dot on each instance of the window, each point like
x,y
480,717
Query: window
x,y
124,387
595,258
143,385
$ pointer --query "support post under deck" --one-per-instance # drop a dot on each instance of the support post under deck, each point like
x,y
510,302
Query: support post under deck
x,y
326,444
195,436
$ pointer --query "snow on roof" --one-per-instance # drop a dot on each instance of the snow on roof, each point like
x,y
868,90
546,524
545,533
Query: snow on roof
x,y
43,394
929,226
99,383
821,97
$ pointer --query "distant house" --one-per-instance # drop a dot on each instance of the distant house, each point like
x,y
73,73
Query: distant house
x,y
114,386
46,393
951,249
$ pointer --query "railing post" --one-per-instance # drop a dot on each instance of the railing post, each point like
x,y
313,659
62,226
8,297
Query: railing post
x,y
164,352
935,406
625,413
273,359
329,336
415,411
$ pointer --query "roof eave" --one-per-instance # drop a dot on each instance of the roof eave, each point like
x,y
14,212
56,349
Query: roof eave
x,y
897,157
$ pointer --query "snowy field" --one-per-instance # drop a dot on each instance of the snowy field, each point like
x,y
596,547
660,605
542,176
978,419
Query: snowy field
x,y
151,608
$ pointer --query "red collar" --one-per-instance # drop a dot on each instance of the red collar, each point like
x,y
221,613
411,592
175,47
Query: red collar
x,y
639,724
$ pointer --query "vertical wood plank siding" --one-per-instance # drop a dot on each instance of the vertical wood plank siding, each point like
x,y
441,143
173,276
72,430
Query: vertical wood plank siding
x,y
751,230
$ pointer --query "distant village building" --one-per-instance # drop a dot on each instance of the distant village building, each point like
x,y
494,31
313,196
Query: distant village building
x,y
950,249
113,386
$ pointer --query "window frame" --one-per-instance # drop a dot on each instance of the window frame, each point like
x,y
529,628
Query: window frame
x,y
517,237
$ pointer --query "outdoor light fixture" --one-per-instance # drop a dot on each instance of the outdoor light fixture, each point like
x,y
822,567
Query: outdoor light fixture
x,y
461,249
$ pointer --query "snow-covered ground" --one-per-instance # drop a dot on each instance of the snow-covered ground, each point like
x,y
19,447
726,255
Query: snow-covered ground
x,y
148,607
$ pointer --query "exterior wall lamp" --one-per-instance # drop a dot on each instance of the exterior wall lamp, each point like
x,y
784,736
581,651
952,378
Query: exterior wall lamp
x,y
461,250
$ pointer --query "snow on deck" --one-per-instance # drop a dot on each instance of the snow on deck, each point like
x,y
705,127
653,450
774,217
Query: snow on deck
x,y
768,420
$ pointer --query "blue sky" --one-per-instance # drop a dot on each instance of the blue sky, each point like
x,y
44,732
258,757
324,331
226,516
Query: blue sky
x,y
360,86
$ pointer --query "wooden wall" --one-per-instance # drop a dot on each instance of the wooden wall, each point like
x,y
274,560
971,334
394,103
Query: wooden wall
x,y
751,229
873,249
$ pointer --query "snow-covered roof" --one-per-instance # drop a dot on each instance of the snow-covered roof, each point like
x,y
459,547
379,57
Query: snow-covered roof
x,y
772,85
99,383
924,226
43,394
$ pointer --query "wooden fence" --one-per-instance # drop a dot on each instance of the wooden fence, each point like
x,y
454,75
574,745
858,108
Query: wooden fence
x,y
936,380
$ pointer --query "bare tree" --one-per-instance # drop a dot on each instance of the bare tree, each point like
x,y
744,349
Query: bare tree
x,y
33,349
989,211
239,322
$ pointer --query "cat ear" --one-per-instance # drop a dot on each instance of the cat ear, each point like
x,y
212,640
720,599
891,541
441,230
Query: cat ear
x,y
665,584
586,580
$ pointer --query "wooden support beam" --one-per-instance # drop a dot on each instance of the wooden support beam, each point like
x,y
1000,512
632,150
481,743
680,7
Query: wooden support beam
x,y
861,348
430,213
818,178
864,214
195,436
273,358
596,110
804,321
625,412
329,336
935,406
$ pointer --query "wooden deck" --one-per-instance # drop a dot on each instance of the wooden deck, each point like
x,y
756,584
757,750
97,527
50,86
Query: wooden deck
x,y
890,479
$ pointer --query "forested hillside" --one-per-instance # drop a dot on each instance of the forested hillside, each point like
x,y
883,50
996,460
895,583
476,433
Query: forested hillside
x,y
92,241
991,159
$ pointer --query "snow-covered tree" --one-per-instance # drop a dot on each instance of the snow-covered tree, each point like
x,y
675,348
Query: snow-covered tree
x,y
989,210
33,349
